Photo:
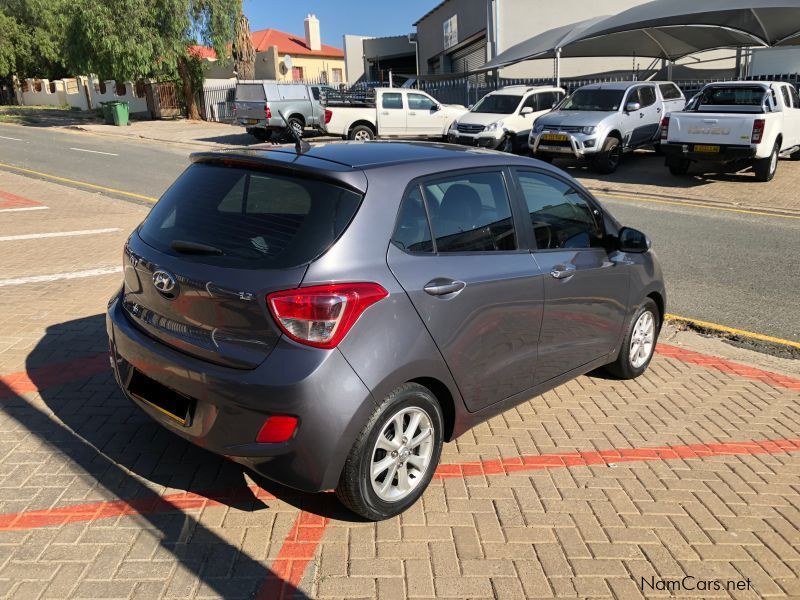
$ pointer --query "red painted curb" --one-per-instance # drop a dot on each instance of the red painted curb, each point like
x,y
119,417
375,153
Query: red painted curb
x,y
726,366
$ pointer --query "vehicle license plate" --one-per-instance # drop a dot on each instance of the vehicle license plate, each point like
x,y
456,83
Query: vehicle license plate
x,y
705,148
555,137
251,121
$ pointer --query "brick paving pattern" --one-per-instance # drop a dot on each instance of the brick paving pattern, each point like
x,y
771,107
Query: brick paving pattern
x,y
586,491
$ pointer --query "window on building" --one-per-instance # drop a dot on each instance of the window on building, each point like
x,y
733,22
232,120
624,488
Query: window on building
x,y
560,217
450,29
337,76
297,73
471,213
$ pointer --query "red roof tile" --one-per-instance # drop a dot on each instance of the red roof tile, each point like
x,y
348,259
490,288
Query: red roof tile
x,y
291,44
202,52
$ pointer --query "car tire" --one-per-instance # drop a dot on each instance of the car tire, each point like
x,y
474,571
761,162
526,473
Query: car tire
x,y
639,343
765,168
362,133
679,167
608,159
364,494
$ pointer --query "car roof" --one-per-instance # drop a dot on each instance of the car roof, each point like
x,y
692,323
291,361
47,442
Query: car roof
x,y
357,155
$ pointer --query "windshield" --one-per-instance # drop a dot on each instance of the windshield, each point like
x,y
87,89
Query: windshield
x,y
501,104
600,100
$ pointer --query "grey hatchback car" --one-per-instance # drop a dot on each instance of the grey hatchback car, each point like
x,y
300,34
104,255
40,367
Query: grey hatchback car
x,y
330,318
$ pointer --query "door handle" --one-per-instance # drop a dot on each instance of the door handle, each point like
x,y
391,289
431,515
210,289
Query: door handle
x,y
563,271
443,287
385,112
412,113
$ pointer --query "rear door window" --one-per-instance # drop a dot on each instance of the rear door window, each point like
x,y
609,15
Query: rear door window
x,y
471,213
669,91
254,219
392,100
647,96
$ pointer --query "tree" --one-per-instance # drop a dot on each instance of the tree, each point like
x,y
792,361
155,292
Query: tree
x,y
32,38
244,57
130,39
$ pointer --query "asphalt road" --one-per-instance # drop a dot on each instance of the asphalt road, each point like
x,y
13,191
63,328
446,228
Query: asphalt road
x,y
738,270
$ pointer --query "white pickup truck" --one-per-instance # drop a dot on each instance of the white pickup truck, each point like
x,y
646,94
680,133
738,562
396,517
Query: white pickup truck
x,y
747,122
388,113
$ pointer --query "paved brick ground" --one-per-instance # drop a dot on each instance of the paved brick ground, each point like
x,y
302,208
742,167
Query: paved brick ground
x,y
644,174
693,470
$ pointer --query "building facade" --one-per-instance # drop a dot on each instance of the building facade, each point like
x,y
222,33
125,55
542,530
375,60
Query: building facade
x,y
457,36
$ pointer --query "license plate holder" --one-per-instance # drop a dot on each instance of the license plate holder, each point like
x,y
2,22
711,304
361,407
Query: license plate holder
x,y
706,148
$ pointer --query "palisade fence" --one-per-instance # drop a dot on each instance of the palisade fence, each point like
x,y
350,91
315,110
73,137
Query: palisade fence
x,y
467,92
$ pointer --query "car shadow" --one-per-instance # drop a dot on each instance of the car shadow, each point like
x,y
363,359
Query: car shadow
x,y
117,452
245,139
645,167
47,117
101,416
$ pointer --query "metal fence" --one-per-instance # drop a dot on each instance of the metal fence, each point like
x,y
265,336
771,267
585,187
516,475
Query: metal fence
x,y
216,102
466,91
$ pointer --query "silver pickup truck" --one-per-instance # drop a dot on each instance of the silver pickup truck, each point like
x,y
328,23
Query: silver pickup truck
x,y
602,121
258,106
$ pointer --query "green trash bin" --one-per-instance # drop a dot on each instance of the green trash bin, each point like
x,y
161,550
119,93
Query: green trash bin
x,y
120,111
108,115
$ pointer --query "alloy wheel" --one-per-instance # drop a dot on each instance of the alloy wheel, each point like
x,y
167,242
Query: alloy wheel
x,y
642,339
402,454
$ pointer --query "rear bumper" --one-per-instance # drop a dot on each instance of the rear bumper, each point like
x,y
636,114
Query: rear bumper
x,y
229,406
676,150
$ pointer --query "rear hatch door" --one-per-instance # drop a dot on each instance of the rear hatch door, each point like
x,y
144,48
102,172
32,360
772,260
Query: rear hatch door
x,y
250,102
198,270
711,128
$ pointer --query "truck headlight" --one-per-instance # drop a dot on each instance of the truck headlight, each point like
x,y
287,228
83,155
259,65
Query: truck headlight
x,y
588,130
494,126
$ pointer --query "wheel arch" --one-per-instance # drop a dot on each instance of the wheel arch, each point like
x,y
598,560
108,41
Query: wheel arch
x,y
659,300
446,402
363,122
299,117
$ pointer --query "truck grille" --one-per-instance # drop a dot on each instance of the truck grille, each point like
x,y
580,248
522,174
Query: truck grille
x,y
469,128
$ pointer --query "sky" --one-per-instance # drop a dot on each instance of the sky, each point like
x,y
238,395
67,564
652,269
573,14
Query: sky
x,y
376,18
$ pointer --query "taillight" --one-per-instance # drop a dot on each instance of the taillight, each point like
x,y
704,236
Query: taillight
x,y
664,129
328,115
267,111
758,131
277,429
321,315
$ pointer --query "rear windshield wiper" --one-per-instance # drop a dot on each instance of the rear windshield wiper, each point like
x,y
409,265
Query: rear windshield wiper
x,y
194,248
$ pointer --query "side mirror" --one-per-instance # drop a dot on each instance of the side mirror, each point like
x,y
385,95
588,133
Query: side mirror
x,y
633,241
470,107
436,108
632,107
526,110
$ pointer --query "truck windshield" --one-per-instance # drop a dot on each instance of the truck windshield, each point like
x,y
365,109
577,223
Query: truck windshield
x,y
733,96
499,104
600,100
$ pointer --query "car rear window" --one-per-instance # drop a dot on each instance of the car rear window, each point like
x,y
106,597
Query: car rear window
x,y
255,219
250,92
733,96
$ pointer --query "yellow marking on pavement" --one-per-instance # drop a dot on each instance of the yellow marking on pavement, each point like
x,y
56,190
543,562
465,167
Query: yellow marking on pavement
x,y
731,330
81,183
694,205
